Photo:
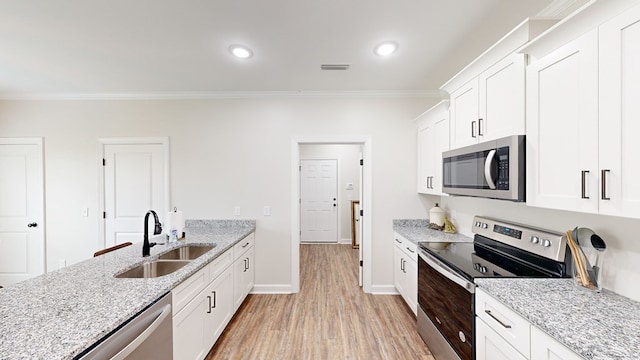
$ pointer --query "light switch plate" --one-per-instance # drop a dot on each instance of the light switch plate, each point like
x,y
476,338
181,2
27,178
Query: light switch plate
x,y
85,212
266,211
236,211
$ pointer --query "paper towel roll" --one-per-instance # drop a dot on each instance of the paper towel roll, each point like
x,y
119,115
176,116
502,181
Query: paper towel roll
x,y
175,221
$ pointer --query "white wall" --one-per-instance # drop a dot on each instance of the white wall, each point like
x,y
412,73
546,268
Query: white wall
x,y
620,268
224,153
348,157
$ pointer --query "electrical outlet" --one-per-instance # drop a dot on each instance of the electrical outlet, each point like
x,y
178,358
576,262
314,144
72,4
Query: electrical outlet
x,y
62,263
453,214
236,211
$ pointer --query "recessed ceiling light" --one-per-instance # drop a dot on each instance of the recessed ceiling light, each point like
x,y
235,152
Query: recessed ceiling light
x,y
386,48
240,51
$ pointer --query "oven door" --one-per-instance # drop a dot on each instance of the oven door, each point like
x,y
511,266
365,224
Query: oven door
x,y
446,309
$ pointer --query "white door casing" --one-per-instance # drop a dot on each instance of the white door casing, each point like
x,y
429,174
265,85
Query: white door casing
x,y
365,202
22,250
319,200
135,179
359,220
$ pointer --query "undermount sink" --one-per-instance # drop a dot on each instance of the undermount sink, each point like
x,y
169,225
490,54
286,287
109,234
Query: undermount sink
x,y
154,269
187,252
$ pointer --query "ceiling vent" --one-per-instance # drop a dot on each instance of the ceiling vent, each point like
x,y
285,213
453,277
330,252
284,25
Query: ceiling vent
x,y
335,66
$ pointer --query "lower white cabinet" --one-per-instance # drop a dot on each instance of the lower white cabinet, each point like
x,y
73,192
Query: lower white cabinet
x,y
405,273
204,303
502,333
544,347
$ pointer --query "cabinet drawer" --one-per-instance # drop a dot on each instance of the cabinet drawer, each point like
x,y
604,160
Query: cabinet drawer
x,y
504,321
409,248
188,289
218,265
242,246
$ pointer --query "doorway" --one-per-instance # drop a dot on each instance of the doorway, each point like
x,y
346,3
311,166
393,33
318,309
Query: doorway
x,y
22,245
363,143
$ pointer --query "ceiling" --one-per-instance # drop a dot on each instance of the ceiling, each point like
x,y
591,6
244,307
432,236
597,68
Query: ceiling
x,y
180,47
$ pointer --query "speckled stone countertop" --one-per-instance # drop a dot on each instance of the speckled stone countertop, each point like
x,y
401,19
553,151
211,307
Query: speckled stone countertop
x,y
417,230
598,326
61,313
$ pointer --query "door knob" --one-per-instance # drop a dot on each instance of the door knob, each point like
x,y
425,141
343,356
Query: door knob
x,y
32,224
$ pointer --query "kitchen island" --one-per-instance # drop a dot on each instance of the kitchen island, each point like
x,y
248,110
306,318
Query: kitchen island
x,y
59,314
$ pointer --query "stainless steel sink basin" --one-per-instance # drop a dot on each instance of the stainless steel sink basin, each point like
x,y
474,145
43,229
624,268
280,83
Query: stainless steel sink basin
x,y
154,269
187,252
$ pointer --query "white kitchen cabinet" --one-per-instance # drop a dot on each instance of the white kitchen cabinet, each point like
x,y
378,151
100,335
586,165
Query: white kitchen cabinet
x,y
582,113
490,106
544,347
433,139
502,334
244,273
219,306
562,127
405,273
491,346
619,114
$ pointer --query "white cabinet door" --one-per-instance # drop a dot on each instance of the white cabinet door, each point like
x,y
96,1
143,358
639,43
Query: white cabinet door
x,y
219,306
399,258
411,285
491,346
464,115
190,341
544,347
619,125
243,277
501,90
433,139
562,127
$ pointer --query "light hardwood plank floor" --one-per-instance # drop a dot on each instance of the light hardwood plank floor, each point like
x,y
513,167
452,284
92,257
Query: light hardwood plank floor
x,y
330,318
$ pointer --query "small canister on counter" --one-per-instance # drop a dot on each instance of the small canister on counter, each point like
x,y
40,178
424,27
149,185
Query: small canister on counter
x,y
436,218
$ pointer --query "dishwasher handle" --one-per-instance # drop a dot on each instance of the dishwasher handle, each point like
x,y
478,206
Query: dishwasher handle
x,y
127,350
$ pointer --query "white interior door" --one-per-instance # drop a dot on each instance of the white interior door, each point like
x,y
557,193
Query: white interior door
x,y
134,183
22,253
359,223
319,200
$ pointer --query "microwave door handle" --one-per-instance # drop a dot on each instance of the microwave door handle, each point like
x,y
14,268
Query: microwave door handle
x,y
487,169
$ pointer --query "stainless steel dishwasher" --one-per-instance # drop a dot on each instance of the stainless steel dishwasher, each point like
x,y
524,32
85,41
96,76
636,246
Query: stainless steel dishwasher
x,y
148,335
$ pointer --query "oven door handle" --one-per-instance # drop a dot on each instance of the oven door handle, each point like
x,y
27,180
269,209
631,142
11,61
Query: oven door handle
x,y
447,272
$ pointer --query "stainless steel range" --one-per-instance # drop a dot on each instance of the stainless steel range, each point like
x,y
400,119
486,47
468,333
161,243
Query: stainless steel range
x,y
446,273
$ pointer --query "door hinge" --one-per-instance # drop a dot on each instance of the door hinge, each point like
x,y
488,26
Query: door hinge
x,y
361,212
360,263
299,167
104,214
104,162
299,201
361,162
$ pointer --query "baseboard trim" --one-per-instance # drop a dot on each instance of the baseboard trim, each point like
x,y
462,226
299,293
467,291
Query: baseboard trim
x,y
384,290
272,289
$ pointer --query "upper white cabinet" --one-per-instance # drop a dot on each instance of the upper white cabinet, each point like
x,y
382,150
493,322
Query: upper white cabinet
x,y
582,111
488,96
490,106
433,139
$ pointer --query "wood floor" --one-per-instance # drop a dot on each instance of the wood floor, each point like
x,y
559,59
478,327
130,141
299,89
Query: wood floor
x,y
330,318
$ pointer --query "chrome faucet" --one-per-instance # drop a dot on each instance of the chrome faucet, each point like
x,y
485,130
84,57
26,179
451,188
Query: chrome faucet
x,y
146,246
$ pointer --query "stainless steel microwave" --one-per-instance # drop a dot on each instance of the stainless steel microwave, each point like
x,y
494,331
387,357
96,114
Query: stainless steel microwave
x,y
493,169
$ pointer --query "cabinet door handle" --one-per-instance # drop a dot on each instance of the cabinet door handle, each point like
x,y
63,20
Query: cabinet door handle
x,y
603,175
413,252
498,320
214,299
473,129
209,309
402,264
584,184
398,241
480,127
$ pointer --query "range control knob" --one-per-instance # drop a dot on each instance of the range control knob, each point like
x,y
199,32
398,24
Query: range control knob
x,y
534,239
477,223
484,225
546,243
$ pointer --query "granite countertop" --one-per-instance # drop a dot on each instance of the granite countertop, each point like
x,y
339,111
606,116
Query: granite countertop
x,y
417,230
59,314
598,326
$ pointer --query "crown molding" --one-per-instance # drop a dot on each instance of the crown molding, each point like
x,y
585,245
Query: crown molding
x,y
223,95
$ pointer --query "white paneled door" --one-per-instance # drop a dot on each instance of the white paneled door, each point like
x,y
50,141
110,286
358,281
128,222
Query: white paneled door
x,y
22,254
319,200
134,183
